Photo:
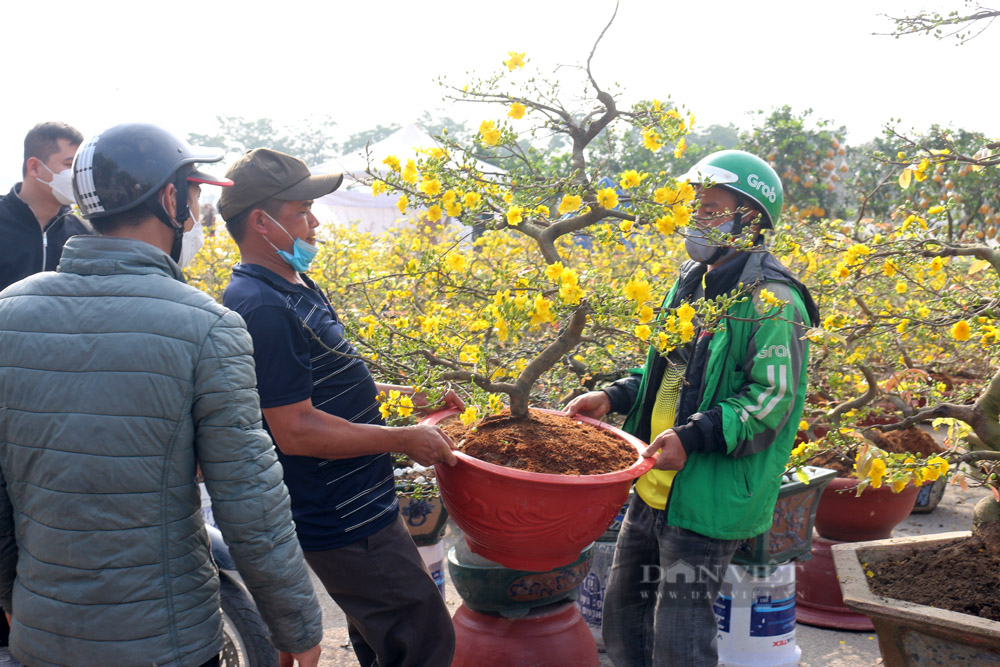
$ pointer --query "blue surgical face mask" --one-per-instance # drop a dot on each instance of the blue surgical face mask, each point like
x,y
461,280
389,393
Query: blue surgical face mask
x,y
302,253
702,249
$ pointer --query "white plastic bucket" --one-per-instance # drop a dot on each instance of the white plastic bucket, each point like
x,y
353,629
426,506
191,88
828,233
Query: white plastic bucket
x,y
433,557
206,505
756,616
590,595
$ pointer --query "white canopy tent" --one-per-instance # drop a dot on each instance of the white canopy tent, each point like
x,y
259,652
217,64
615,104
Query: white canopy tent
x,y
353,202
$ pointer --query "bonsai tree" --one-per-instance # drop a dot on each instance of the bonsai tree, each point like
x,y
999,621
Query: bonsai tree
x,y
910,331
558,261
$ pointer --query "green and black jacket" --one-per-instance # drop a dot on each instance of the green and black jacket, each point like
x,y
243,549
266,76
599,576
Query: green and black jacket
x,y
742,397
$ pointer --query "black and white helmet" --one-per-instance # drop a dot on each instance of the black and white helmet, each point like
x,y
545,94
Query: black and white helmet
x,y
123,167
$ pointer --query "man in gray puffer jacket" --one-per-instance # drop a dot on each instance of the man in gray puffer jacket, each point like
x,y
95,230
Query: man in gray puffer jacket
x,y
117,381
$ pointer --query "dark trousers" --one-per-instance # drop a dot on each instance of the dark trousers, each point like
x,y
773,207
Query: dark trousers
x,y
663,582
396,616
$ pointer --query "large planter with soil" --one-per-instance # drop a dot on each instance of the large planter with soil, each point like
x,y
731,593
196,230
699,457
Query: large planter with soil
x,y
909,633
534,521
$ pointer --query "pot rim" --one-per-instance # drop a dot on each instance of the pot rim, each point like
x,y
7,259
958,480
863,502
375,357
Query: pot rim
x,y
637,469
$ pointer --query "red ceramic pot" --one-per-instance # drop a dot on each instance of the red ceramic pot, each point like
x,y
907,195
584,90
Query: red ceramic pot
x,y
843,515
553,636
528,520
818,600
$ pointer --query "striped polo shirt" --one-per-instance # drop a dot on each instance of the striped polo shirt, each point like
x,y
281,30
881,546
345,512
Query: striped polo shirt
x,y
300,353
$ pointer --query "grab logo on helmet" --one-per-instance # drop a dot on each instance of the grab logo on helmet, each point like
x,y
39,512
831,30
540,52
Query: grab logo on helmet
x,y
753,180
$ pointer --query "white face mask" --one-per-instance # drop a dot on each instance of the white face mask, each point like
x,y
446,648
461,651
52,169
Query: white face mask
x,y
61,184
191,243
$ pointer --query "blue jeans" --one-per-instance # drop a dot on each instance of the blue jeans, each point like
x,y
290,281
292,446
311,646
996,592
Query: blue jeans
x,y
658,602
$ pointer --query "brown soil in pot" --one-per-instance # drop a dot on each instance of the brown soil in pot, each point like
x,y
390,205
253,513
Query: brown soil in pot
x,y
911,440
544,443
963,577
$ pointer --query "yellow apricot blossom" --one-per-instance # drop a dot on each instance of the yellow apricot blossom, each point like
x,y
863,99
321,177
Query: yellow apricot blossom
x,y
638,290
682,216
631,179
680,148
553,271
515,215
456,262
502,329
645,314
516,111
665,224
686,331
542,312
607,198
571,293
685,312
569,204
515,61
470,415
405,406
402,203
489,133
664,195
642,332
960,331
471,199
392,162
409,174
434,213
877,472
430,186
651,139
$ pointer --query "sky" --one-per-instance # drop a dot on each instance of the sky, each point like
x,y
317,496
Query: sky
x,y
182,64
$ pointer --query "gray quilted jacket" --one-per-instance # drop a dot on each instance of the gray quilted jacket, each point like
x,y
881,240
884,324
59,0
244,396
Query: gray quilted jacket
x,y
116,381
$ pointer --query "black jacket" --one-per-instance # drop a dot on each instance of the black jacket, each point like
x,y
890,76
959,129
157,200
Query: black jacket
x,y
25,249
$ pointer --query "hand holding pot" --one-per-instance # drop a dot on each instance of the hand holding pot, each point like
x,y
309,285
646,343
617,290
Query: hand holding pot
x,y
671,452
427,445
593,404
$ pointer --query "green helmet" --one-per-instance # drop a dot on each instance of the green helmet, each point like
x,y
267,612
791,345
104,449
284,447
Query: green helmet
x,y
744,173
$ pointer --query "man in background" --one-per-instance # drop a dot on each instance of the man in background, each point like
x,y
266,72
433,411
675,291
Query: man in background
x,y
36,216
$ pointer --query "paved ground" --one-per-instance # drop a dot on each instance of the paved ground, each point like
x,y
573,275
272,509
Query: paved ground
x,y
820,647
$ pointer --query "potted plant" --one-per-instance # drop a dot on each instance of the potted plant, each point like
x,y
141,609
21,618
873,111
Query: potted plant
x,y
553,289
874,492
420,501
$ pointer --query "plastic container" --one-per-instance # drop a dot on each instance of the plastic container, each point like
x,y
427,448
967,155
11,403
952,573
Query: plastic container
x,y
206,505
433,556
590,597
756,614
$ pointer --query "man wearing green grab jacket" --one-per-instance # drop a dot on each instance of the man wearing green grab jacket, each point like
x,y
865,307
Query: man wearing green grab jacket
x,y
720,413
